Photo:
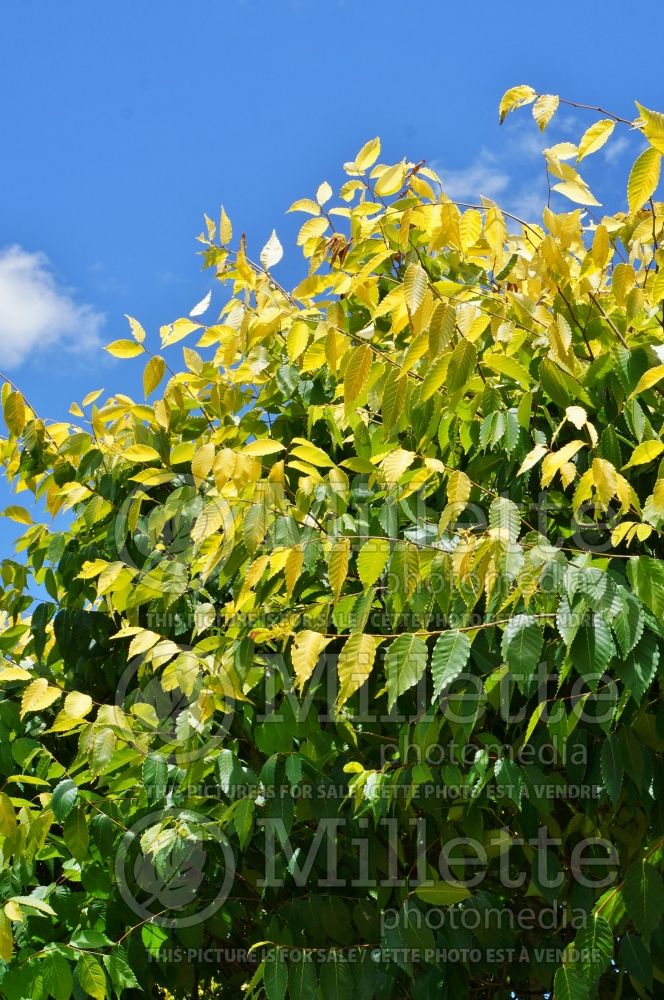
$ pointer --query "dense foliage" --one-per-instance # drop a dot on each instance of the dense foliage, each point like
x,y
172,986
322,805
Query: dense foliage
x,y
336,669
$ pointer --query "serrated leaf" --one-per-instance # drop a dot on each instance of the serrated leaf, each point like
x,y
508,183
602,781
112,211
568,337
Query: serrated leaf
x,y
638,670
302,981
305,651
368,155
569,985
643,893
337,564
275,976
372,560
448,660
405,663
153,374
505,519
522,647
513,98
461,366
356,374
415,286
595,137
356,660
643,178
591,650
91,976
272,252
140,453
544,109
125,349
612,767
38,695
63,799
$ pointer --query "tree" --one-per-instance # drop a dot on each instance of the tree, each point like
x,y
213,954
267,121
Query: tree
x,y
343,673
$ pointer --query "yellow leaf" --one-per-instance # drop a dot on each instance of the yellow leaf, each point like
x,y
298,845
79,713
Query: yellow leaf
x,y
225,228
513,98
312,229
554,461
576,191
415,285
272,252
372,560
153,374
92,396
140,453
124,349
368,155
77,704
354,666
595,137
338,565
15,674
182,452
544,109
305,205
305,652
6,938
293,568
396,464
19,514
648,380
644,453
202,462
643,178
265,446
310,453
653,126
391,180
137,330
38,695
173,332
324,193
356,374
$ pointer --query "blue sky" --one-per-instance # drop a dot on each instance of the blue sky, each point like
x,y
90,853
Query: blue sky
x,y
123,122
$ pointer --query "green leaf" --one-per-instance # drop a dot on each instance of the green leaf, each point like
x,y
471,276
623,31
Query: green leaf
x,y
568,985
504,519
335,979
275,976
612,767
302,981
442,893
646,576
405,662
56,973
120,972
594,941
448,660
638,671
91,976
75,833
521,648
64,797
643,893
591,650
635,959
462,363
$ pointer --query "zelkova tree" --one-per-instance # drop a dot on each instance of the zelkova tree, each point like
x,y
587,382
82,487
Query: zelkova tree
x,y
336,669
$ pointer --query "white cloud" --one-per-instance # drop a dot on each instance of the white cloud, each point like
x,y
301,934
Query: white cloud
x,y
37,312
482,176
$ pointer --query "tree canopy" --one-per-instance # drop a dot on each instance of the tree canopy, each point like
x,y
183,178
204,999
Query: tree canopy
x,y
334,666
